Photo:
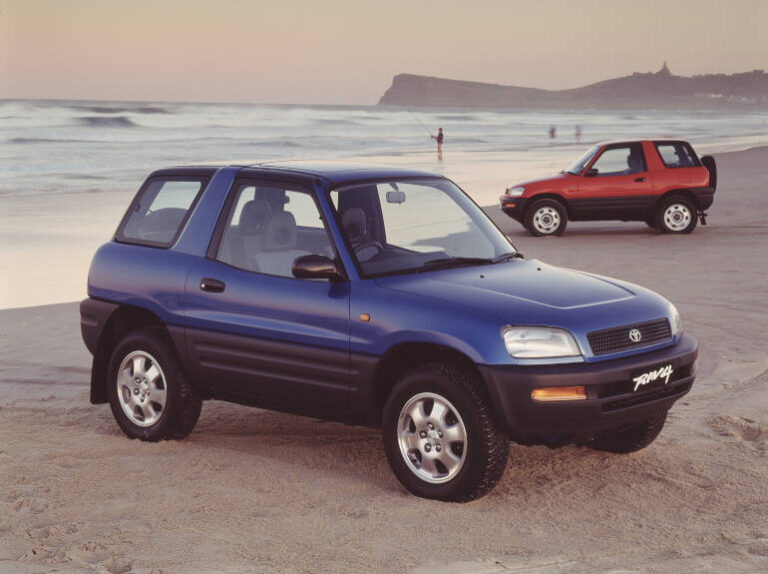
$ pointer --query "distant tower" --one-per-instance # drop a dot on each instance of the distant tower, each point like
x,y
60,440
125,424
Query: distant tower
x,y
664,70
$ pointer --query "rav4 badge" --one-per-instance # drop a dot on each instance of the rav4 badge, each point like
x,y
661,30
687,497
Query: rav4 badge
x,y
661,373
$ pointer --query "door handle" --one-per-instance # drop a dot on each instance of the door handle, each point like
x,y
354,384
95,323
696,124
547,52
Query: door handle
x,y
639,179
212,285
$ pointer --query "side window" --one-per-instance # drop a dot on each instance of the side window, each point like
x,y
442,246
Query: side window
x,y
159,213
267,228
677,154
622,160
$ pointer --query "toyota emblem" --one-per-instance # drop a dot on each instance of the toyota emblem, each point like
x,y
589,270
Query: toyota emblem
x,y
635,335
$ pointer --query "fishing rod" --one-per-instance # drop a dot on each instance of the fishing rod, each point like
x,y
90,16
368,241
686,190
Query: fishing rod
x,y
421,123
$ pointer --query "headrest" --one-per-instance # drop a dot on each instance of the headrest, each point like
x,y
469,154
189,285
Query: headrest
x,y
254,217
281,233
353,220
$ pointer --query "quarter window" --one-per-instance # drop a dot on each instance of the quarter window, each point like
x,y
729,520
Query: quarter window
x,y
158,214
677,154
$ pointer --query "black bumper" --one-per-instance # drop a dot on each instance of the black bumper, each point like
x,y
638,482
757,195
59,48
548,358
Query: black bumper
x,y
611,399
704,196
513,206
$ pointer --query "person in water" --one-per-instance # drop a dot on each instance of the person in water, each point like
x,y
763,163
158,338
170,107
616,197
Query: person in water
x,y
439,139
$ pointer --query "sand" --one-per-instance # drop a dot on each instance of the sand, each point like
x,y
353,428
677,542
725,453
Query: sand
x,y
256,491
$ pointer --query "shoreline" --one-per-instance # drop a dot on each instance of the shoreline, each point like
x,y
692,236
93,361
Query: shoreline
x,y
46,244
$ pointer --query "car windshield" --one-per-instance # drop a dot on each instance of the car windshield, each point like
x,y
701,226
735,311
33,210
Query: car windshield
x,y
412,226
578,166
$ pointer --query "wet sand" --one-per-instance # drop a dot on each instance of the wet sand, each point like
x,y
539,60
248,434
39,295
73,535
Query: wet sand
x,y
256,491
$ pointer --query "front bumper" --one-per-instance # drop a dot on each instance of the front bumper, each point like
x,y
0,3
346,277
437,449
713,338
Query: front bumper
x,y
611,399
513,206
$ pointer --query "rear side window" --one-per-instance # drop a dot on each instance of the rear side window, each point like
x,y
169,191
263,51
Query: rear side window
x,y
677,154
160,210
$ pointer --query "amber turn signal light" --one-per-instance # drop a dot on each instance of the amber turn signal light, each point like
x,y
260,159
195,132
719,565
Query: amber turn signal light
x,y
553,394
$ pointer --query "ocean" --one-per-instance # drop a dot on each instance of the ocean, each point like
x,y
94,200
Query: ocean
x,y
49,147
69,168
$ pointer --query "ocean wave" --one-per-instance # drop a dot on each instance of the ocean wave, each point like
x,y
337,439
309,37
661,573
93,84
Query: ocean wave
x,y
468,140
49,140
340,122
123,109
457,117
112,121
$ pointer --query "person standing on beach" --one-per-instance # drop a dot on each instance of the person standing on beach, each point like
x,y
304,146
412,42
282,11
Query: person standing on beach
x,y
552,132
578,134
439,139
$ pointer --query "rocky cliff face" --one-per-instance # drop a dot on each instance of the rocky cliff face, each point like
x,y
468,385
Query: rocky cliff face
x,y
661,90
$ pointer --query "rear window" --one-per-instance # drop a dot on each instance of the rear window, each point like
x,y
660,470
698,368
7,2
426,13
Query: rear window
x,y
677,154
160,210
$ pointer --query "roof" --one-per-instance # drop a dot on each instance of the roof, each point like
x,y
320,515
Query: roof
x,y
337,171
332,172
640,140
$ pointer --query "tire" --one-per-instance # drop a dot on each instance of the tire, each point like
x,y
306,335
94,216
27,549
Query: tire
x,y
676,214
148,394
453,449
546,217
632,438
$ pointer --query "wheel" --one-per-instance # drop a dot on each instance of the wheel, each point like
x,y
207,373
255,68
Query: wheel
x,y
546,217
440,437
632,438
676,214
149,397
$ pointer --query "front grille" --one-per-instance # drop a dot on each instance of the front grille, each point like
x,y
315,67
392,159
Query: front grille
x,y
618,338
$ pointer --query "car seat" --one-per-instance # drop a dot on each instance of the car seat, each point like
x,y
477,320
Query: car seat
x,y
279,246
240,243
353,221
635,161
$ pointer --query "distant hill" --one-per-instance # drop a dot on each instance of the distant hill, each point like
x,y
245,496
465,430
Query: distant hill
x,y
659,90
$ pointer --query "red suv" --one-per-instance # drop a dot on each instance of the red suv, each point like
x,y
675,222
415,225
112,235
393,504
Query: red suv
x,y
661,182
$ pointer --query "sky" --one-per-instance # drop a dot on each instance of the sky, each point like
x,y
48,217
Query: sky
x,y
347,51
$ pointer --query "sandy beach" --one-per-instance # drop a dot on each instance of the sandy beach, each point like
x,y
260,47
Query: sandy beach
x,y
257,491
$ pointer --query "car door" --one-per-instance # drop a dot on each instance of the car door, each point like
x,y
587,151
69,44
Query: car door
x,y
617,184
253,330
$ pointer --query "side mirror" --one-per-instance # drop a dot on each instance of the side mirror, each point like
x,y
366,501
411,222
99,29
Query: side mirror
x,y
315,267
591,172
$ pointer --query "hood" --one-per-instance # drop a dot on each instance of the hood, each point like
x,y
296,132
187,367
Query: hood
x,y
534,293
544,181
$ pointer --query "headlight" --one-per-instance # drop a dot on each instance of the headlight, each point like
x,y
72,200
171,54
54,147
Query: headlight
x,y
515,191
674,320
539,342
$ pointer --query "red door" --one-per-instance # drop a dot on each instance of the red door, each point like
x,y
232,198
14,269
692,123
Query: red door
x,y
617,185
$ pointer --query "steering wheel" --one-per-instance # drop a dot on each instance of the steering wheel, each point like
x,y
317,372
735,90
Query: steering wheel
x,y
368,250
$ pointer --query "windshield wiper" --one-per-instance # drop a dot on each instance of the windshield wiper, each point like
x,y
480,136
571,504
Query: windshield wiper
x,y
507,257
448,262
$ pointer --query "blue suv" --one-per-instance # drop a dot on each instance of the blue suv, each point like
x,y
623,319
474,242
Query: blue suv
x,y
373,296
